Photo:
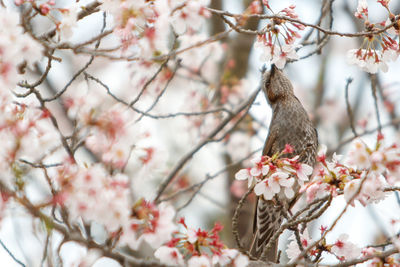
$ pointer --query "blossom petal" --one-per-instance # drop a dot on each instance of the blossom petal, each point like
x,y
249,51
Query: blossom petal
x,y
243,174
289,192
260,188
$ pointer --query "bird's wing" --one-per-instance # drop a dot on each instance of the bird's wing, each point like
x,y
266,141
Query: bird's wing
x,y
255,216
266,151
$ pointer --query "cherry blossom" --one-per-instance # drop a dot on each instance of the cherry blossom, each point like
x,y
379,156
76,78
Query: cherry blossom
x,y
230,257
194,60
270,42
260,167
370,57
384,3
189,15
362,9
244,174
169,255
15,48
303,171
293,251
199,261
69,21
371,61
84,188
272,185
274,175
367,169
80,148
371,190
391,30
150,223
314,190
344,249
74,254
358,155
284,53
203,248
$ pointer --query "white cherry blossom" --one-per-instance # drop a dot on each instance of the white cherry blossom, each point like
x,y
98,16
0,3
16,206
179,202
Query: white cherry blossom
x,y
199,261
272,185
169,255
345,249
283,54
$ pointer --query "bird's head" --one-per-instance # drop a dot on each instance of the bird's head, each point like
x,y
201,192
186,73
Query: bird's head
x,y
276,85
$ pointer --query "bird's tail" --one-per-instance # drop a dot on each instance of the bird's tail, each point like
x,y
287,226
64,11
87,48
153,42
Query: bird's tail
x,y
268,220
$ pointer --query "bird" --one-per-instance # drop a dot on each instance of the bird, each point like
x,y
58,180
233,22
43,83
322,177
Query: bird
x,y
291,125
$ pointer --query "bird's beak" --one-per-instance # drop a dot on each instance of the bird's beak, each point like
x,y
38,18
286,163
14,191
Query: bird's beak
x,y
273,69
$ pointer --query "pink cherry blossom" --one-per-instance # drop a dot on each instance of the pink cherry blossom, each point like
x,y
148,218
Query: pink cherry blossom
x,y
260,168
243,174
344,249
274,49
293,250
362,9
272,185
302,170
191,16
314,190
15,47
169,255
358,155
231,257
283,54
371,190
154,225
391,30
199,261
69,21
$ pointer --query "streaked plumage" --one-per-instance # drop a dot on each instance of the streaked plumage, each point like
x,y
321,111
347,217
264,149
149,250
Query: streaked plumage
x,y
290,124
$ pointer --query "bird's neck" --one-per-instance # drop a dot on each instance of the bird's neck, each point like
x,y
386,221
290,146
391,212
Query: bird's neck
x,y
282,100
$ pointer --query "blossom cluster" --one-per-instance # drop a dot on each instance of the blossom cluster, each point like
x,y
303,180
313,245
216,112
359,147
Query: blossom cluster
x,y
199,248
377,49
65,18
25,136
342,248
17,50
379,260
43,7
82,189
270,42
273,175
108,129
364,177
145,24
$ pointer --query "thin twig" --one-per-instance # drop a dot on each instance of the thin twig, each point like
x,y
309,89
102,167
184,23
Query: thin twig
x,y
205,141
235,218
11,254
154,116
133,102
209,177
79,72
373,88
162,91
284,18
349,110
335,221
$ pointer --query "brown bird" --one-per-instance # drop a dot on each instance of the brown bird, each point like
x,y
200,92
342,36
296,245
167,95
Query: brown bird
x,y
291,125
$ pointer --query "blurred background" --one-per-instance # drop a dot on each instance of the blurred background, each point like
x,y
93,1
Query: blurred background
x,y
229,72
